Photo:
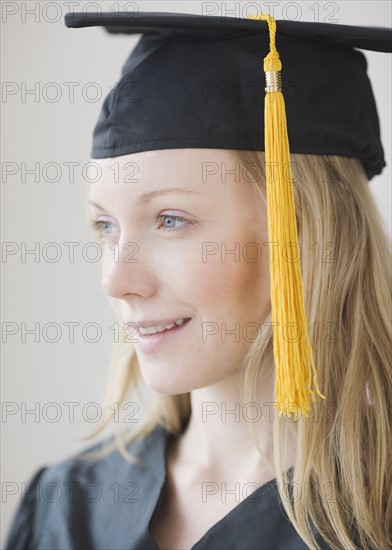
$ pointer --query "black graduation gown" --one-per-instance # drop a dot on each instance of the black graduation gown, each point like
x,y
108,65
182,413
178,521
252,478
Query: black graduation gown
x,y
108,505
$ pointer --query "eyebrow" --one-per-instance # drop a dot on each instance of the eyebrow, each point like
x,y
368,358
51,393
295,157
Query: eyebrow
x,y
144,198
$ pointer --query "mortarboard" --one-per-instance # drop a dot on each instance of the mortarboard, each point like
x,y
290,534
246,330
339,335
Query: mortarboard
x,y
196,81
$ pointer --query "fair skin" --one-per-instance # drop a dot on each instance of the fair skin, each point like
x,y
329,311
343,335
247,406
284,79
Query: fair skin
x,y
173,280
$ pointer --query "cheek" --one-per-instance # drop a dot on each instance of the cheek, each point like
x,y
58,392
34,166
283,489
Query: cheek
x,y
224,286
240,286
114,303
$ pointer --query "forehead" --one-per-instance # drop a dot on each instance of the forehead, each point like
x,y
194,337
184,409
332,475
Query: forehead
x,y
210,176
166,166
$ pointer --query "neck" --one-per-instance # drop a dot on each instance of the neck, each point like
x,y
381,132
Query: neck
x,y
218,438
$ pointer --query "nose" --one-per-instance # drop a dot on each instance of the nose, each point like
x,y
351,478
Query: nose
x,y
125,272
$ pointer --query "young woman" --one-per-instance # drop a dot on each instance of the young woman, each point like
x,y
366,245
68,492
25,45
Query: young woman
x,y
184,226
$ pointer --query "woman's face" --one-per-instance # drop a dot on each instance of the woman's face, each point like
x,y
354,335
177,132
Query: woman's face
x,y
197,253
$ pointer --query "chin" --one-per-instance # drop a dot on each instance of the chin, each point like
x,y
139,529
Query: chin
x,y
172,383
170,387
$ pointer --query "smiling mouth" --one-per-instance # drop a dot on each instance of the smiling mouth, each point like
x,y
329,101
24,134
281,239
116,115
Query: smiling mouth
x,y
159,329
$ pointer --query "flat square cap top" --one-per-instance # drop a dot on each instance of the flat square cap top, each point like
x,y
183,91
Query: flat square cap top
x,y
198,81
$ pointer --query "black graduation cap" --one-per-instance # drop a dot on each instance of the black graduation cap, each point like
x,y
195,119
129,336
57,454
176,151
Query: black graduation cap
x,y
196,81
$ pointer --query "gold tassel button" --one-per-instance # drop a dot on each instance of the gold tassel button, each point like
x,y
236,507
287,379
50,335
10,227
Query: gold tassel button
x,y
273,81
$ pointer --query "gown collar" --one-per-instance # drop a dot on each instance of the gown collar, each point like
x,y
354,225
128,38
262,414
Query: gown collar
x,y
143,485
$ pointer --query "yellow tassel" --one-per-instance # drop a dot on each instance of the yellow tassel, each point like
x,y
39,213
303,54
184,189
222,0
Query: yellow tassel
x,y
293,355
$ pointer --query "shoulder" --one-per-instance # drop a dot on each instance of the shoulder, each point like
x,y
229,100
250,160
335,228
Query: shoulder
x,y
20,534
76,497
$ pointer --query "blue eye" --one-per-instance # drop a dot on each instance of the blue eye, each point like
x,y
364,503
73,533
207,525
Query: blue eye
x,y
98,226
172,221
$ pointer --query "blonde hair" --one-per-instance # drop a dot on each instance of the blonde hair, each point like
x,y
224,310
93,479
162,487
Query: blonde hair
x,y
342,467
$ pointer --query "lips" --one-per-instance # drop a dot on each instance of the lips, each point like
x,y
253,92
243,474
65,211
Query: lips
x,y
156,328
159,341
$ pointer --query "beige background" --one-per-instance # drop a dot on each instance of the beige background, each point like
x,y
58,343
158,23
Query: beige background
x,y
37,50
